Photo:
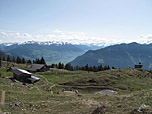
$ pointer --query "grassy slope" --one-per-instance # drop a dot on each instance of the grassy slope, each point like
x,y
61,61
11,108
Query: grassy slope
x,y
133,86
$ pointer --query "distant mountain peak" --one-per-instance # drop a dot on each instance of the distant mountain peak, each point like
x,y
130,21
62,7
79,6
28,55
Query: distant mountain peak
x,y
133,43
119,56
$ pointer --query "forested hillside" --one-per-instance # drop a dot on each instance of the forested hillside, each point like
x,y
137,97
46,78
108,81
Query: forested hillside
x,y
120,56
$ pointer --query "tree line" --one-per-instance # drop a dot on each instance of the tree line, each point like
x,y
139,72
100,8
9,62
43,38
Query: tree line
x,y
60,65
20,60
84,68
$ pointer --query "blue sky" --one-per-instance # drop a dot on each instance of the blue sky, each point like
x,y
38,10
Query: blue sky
x,y
76,20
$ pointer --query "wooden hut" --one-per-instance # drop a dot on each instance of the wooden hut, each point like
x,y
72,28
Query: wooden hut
x,y
139,66
37,68
24,76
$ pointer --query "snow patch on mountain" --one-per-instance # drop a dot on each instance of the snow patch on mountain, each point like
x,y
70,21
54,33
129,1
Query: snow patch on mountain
x,y
103,43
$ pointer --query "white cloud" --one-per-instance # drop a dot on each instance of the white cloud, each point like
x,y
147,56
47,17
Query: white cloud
x,y
27,35
15,37
58,31
70,37
60,36
3,33
17,34
149,36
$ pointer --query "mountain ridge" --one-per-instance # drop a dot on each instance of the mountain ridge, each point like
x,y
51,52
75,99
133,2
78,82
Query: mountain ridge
x,y
119,56
53,52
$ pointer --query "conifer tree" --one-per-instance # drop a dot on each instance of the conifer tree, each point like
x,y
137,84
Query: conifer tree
x,y
37,61
18,59
86,67
106,67
0,61
69,67
29,61
3,58
53,66
13,59
42,61
77,68
90,68
94,69
34,62
56,66
23,61
8,58
113,67
100,68
60,65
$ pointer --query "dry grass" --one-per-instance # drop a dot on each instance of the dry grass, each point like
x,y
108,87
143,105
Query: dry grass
x,y
21,99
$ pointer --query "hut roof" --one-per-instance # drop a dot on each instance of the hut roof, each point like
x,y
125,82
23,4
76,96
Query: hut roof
x,y
12,68
139,65
35,67
33,78
20,71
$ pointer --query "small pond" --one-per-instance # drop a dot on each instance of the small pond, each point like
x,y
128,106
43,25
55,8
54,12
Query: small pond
x,y
73,92
106,92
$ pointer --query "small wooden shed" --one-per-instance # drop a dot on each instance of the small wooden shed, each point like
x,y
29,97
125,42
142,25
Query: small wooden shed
x,y
38,68
139,66
24,76
21,75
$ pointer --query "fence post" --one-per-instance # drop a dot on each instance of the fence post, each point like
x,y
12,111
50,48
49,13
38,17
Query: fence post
x,y
3,98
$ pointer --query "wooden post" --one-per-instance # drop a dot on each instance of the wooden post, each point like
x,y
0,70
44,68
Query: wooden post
x,y
3,98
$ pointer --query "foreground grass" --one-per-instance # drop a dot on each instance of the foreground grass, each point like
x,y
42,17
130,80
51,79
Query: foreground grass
x,y
134,88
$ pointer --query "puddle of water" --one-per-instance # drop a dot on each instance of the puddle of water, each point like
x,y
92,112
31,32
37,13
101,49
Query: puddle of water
x,y
106,92
73,92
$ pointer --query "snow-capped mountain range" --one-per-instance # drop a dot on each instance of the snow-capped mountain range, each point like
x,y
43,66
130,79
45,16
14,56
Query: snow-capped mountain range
x,y
55,42
102,43
55,52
